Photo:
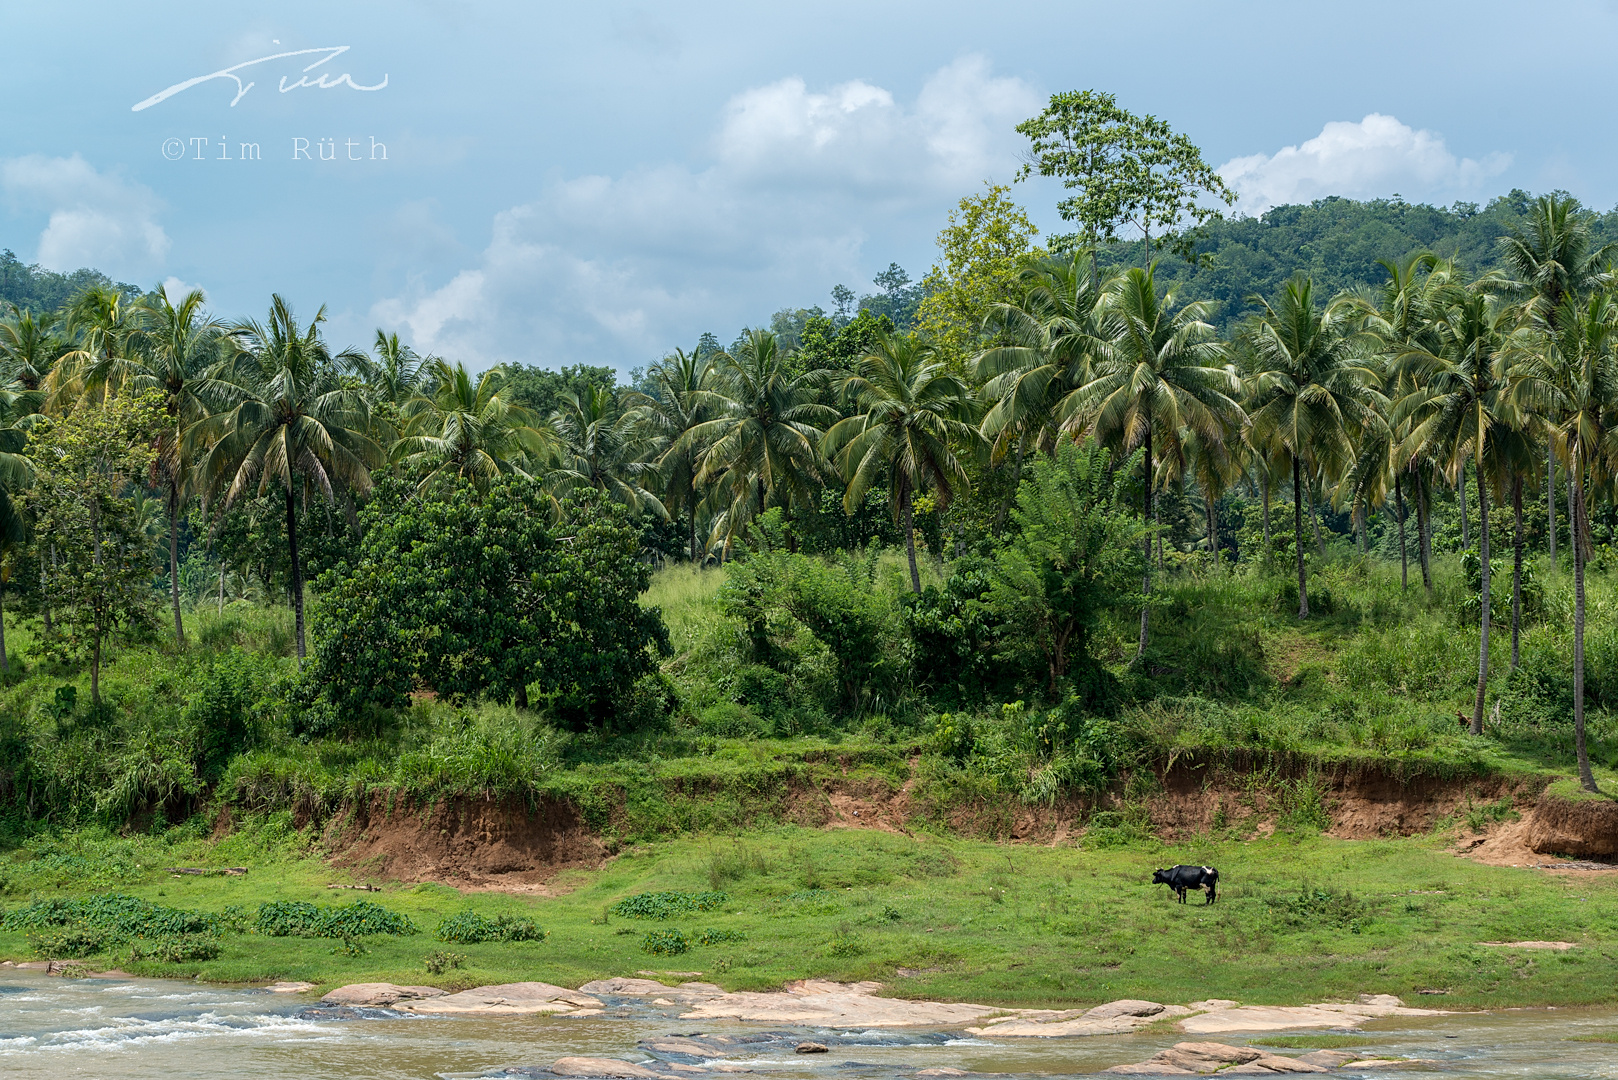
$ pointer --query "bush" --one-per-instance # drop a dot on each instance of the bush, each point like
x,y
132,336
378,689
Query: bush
x,y
437,962
115,913
295,918
666,905
72,942
187,948
221,712
470,928
716,937
670,942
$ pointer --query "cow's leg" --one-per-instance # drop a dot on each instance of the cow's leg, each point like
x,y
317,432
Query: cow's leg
x,y
1210,896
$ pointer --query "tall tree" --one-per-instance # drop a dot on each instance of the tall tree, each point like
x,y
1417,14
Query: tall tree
x,y
29,348
762,444
601,447
681,382
466,429
1311,394
1457,407
293,424
1162,373
911,412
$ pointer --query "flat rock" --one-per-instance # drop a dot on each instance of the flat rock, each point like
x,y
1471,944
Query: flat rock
x,y
1275,1064
1125,1007
810,1048
1113,1018
1283,1017
289,987
379,995
510,999
1388,1063
829,1004
1151,1068
594,1066
1327,1059
943,1070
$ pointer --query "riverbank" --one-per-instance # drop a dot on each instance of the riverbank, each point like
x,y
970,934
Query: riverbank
x,y
1299,918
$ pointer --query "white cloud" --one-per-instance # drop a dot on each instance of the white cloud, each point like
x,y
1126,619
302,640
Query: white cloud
x,y
96,219
1376,157
618,269
177,289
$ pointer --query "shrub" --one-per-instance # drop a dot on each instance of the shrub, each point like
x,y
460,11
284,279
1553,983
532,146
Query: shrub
x,y
295,918
666,905
715,937
438,961
187,948
671,942
71,942
470,928
114,913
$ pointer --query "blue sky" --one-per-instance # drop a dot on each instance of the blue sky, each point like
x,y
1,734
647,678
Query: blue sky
x,y
597,183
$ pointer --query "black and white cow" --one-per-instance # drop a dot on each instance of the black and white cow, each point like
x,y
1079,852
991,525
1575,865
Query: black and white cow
x,y
1181,878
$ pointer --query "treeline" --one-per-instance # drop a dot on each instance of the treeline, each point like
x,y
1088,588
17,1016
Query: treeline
x,y
1023,399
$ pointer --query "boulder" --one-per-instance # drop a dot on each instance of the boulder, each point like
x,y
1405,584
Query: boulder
x,y
810,1048
380,995
602,1067
507,999
1126,1007
1190,1058
1328,1059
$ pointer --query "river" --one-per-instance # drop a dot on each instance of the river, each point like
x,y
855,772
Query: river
x,y
132,1029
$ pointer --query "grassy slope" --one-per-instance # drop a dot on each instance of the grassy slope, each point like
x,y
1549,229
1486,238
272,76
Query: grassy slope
x,y
1299,919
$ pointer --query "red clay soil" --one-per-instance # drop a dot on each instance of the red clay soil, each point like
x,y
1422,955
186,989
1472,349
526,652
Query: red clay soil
x,y
1584,828
1362,805
466,842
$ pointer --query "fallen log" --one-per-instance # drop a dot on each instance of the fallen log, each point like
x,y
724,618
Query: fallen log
x,y
205,871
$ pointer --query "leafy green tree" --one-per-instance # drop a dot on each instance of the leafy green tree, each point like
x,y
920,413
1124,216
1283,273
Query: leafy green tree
x,y
1311,394
466,429
104,327
982,248
1075,554
473,593
1163,373
913,414
294,424
18,413
1125,169
541,389
98,574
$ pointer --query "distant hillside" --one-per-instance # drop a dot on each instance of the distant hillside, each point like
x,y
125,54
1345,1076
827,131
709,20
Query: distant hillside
x,y
1338,242
38,289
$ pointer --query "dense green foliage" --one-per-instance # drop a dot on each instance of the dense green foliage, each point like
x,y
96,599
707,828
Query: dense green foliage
x,y
472,928
294,918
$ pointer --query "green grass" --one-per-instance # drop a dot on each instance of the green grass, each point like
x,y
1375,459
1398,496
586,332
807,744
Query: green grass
x,y
1315,1042
1299,919
1599,1037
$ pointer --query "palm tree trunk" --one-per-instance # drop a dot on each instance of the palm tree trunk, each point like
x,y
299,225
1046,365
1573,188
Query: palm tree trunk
x,y
297,572
1586,777
1483,639
1314,516
174,563
1404,559
1297,540
1359,526
1213,528
221,586
1550,497
5,665
1516,571
1266,514
910,537
1146,568
691,518
1424,534
1574,536
1460,499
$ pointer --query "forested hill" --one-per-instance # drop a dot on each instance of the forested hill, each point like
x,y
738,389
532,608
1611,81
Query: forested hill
x,y
40,290
1336,241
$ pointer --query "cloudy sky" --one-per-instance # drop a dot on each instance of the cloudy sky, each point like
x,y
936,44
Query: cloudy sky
x,y
566,183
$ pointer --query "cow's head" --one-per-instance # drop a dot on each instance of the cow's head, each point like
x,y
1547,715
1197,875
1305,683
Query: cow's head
x,y
1160,877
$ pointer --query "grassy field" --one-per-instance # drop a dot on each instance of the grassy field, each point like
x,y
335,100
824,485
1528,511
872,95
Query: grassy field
x,y
1299,918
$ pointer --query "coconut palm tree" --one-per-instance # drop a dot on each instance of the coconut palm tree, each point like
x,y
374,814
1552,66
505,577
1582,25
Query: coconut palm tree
x,y
104,328
1312,392
600,446
1162,373
1548,259
761,445
1570,376
466,429
29,348
1456,408
292,423
682,383
18,409
911,410
1048,343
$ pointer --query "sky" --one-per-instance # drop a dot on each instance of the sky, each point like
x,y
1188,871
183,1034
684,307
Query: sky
x,y
599,183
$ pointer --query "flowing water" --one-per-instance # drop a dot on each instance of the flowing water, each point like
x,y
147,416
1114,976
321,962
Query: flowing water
x,y
53,1027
